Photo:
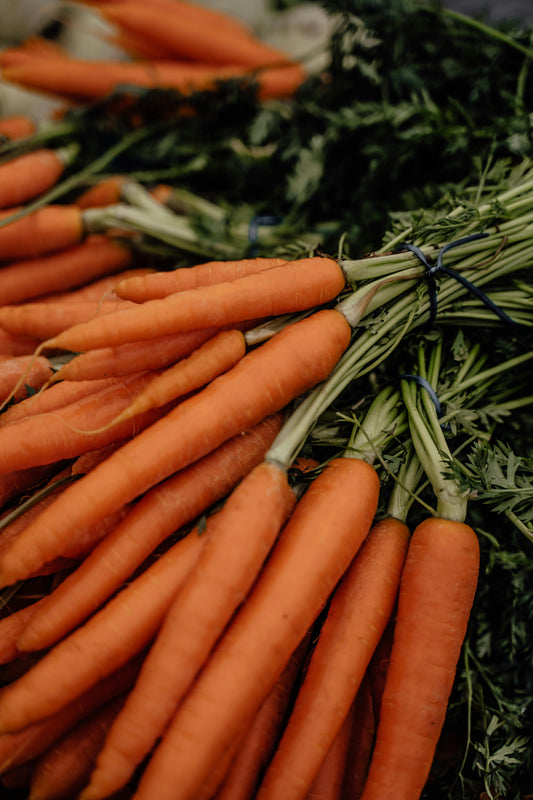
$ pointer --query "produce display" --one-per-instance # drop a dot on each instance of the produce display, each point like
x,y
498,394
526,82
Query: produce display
x,y
266,473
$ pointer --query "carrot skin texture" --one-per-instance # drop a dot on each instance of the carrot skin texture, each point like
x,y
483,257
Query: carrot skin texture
x,y
293,286
239,539
360,744
28,278
61,772
327,784
26,176
50,228
35,371
259,742
161,284
261,384
16,127
43,319
54,398
315,548
23,746
88,654
174,503
436,595
360,609
133,356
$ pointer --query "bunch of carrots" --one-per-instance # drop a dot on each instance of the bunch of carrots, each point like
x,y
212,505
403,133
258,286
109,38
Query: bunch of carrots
x,y
192,608
167,43
222,618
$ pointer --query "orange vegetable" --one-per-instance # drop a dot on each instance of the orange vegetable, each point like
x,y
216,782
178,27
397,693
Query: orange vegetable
x,y
104,193
44,319
294,286
360,608
26,176
107,641
314,550
61,772
34,372
16,127
53,272
161,284
239,539
430,627
165,509
50,228
360,744
328,781
157,353
263,382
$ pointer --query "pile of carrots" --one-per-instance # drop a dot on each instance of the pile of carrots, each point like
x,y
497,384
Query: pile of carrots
x,y
212,627
166,43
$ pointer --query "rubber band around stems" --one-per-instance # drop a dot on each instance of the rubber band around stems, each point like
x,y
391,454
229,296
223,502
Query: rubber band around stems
x,y
425,384
253,229
438,266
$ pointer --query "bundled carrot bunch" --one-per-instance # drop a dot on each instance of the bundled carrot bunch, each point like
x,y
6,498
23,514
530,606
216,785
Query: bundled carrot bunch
x,y
191,612
169,43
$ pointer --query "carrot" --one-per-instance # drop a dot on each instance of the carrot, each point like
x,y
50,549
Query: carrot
x,y
16,127
104,193
240,537
211,359
54,398
379,664
116,633
53,272
188,38
125,359
11,627
165,509
44,319
327,784
293,286
430,627
360,744
62,434
23,746
50,228
317,544
99,289
17,345
26,176
34,371
61,772
161,284
263,382
255,751
358,614
13,484
18,778
85,80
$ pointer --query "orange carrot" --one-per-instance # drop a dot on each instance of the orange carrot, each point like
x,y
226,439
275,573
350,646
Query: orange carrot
x,y
18,778
104,193
379,664
11,626
54,398
161,284
100,289
23,746
314,550
34,371
327,784
26,176
53,227
255,751
211,359
157,353
240,537
428,635
262,383
361,742
13,484
293,286
67,432
45,319
358,614
115,634
16,127
61,772
96,256
166,508
17,345
187,38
